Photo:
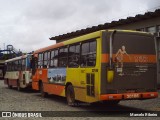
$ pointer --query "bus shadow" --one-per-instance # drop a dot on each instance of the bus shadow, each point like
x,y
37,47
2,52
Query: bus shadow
x,y
54,98
97,107
111,108
26,90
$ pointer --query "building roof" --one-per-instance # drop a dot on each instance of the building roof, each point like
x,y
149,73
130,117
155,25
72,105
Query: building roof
x,y
128,20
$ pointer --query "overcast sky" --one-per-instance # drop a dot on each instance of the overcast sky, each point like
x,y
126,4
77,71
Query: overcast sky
x,y
28,24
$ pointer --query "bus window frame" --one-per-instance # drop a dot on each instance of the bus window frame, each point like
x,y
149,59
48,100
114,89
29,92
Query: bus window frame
x,y
91,40
16,65
40,60
23,64
12,68
62,57
20,64
75,45
48,58
52,59
45,59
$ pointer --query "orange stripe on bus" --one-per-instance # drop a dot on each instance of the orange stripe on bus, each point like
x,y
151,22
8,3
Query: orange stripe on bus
x,y
126,96
111,97
105,58
49,47
54,89
130,58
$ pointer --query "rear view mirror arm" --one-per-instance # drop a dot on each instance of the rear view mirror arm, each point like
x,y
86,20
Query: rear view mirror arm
x,y
111,50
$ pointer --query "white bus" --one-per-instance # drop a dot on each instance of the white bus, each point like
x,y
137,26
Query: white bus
x,y
18,72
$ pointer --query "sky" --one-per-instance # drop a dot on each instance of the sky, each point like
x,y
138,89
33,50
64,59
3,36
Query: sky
x,y
28,24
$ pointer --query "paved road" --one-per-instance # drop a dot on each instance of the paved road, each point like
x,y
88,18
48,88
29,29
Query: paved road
x,y
29,100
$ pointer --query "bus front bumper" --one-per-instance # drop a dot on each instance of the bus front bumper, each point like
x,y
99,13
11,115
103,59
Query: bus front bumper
x,y
129,96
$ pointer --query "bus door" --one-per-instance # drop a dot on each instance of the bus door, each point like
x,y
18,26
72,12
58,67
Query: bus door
x,y
33,64
89,71
75,73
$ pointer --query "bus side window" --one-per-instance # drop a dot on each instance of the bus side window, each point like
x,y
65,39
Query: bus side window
x,y
12,64
88,53
48,59
19,64
23,64
73,56
8,66
92,55
40,60
54,58
45,62
63,53
16,65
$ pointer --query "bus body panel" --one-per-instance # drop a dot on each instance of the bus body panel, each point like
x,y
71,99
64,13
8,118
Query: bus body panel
x,y
54,89
12,75
74,76
25,78
35,85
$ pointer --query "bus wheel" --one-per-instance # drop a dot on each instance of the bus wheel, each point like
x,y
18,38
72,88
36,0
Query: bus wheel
x,y
18,86
9,86
70,96
43,94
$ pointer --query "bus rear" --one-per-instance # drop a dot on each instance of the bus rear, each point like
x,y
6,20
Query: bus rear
x,y
128,68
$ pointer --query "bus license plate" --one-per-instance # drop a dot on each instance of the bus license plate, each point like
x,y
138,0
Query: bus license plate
x,y
132,96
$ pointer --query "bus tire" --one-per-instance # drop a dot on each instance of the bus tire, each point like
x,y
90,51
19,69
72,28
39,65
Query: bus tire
x,y
43,94
9,86
18,86
70,95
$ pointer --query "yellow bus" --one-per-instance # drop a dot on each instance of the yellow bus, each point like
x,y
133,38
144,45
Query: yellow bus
x,y
107,65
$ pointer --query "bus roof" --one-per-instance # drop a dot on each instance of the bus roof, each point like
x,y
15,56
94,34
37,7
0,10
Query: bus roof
x,y
70,41
83,37
17,58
